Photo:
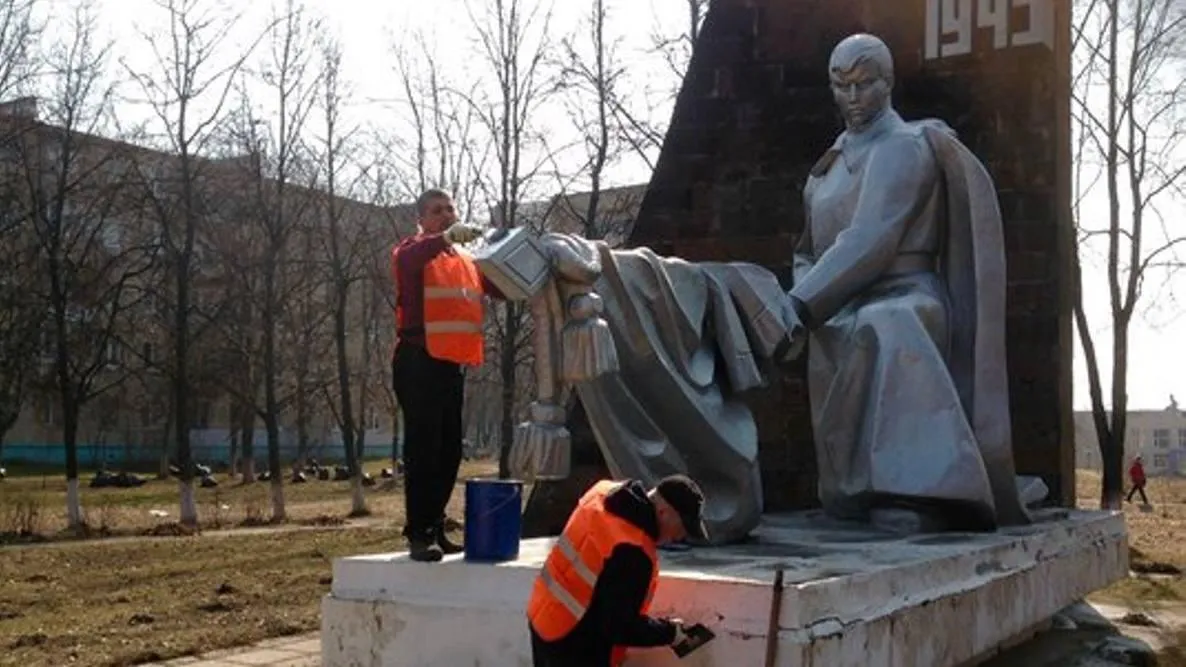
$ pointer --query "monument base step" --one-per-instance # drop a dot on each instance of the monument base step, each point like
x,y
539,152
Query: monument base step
x,y
850,596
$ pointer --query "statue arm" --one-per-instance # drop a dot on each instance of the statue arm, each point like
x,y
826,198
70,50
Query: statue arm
x,y
804,259
899,177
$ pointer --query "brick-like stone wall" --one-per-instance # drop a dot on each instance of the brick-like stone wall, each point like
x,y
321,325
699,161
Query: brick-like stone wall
x,y
755,113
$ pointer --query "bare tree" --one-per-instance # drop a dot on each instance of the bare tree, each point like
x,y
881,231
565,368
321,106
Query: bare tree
x,y
187,91
21,313
20,308
307,318
594,77
513,38
677,48
289,75
383,178
639,115
343,265
445,151
86,220
1129,113
240,344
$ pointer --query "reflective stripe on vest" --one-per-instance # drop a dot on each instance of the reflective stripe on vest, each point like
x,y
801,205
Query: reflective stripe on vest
x,y
453,312
564,588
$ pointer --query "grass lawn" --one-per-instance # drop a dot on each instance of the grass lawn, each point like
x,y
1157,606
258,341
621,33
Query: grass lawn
x,y
129,602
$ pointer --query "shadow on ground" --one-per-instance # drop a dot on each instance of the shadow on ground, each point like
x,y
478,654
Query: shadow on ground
x,y
1085,636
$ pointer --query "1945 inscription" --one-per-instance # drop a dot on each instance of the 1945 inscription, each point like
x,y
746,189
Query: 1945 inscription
x,y
951,24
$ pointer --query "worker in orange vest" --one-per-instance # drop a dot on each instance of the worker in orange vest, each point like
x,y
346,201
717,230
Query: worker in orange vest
x,y
438,318
591,598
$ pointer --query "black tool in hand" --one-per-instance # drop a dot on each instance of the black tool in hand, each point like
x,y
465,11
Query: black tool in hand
x,y
696,636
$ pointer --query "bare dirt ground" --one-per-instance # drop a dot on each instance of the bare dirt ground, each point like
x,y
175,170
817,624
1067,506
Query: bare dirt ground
x,y
136,588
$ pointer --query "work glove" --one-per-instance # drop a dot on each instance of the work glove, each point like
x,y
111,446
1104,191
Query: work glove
x,y
680,635
460,232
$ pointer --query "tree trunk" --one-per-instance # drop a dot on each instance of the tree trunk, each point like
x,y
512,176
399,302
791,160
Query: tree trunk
x,y
248,444
70,442
507,428
347,426
163,472
233,449
1112,442
189,506
1112,457
189,509
6,425
302,418
358,499
271,404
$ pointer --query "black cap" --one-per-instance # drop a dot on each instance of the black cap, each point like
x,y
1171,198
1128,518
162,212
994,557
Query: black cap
x,y
686,498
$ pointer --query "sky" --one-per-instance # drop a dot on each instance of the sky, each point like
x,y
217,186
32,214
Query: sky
x,y
368,29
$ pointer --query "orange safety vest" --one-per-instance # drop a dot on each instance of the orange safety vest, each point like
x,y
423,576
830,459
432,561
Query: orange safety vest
x,y
563,590
453,309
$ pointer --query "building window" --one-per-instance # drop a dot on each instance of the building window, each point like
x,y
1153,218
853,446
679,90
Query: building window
x,y
1159,461
1161,438
1182,438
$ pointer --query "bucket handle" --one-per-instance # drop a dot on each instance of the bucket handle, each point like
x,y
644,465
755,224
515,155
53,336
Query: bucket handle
x,y
518,496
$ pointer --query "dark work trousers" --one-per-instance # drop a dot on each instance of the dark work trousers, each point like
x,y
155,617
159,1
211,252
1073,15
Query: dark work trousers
x,y
430,394
1138,488
543,655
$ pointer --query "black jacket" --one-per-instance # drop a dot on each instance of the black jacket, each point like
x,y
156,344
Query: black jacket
x,y
612,618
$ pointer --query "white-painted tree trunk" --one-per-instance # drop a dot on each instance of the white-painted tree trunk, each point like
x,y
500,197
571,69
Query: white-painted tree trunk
x,y
189,507
73,504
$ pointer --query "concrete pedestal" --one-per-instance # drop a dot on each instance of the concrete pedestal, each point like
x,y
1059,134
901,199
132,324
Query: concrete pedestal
x,y
850,597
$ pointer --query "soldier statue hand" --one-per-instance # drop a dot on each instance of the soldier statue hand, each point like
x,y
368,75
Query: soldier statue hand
x,y
795,341
460,232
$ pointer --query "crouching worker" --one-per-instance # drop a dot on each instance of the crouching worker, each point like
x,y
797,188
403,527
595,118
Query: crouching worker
x,y
590,600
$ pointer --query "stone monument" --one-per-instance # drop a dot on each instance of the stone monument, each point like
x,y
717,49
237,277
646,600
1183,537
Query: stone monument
x,y
896,289
754,116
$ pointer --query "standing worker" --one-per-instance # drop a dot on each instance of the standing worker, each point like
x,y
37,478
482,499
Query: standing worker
x,y
590,600
438,320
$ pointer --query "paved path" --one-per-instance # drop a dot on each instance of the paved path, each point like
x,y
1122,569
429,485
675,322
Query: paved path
x,y
298,651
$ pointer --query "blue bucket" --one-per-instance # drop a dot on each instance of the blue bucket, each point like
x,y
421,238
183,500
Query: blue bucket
x,y
493,519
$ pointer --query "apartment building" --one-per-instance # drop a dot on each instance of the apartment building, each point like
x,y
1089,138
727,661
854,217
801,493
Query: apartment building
x,y
134,189
1157,436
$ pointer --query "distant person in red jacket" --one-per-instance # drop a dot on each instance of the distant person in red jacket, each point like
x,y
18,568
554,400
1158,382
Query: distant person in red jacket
x,y
1136,473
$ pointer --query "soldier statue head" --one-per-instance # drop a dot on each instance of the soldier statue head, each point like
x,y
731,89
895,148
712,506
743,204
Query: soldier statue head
x,y
861,71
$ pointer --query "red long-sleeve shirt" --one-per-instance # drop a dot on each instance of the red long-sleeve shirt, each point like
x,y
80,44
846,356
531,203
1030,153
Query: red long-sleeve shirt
x,y
408,259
